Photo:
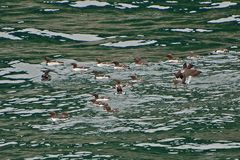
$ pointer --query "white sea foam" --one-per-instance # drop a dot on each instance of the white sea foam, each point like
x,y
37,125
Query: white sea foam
x,y
130,43
228,19
17,76
151,145
195,146
11,81
75,37
203,30
193,12
175,43
190,30
9,36
183,30
8,143
33,111
63,1
170,139
158,7
171,1
125,5
50,10
31,71
207,2
102,156
158,129
118,129
220,5
87,3
5,110
8,28
186,111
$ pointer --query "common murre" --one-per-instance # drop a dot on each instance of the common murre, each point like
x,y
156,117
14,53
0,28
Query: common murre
x,y
171,59
140,62
100,63
46,76
98,98
119,65
186,73
55,117
50,62
79,68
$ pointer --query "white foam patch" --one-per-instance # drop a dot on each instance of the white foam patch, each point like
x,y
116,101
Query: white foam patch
x,y
9,36
172,2
188,30
186,111
208,146
157,129
193,12
203,30
75,37
170,139
31,71
118,129
11,81
158,7
183,30
77,155
102,156
125,5
8,143
34,111
83,4
5,110
176,43
205,2
63,1
50,10
130,43
151,145
193,146
17,76
228,19
220,5
8,28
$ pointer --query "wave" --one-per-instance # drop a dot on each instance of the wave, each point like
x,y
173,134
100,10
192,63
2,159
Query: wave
x,y
130,43
220,5
75,37
9,36
233,18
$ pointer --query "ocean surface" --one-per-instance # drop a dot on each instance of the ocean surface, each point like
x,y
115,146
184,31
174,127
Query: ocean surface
x,y
156,119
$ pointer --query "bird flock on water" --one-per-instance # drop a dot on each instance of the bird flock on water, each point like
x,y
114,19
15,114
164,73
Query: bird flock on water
x,y
182,76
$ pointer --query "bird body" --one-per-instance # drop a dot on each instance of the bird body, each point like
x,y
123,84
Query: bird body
x,y
119,65
187,73
103,64
50,62
79,68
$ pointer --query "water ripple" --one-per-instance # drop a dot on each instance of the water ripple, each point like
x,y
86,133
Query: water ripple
x,y
159,7
87,3
75,37
225,4
155,119
233,18
193,146
9,36
130,43
125,6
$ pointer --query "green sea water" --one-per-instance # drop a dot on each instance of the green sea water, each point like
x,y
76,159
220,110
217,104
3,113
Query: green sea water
x,y
156,119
